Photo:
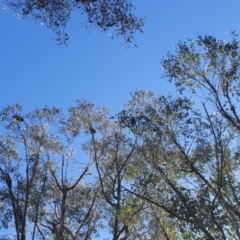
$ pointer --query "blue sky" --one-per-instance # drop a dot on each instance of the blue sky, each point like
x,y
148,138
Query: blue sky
x,y
35,71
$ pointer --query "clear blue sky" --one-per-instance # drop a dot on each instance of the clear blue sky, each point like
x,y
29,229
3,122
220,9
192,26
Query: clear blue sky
x,y
35,71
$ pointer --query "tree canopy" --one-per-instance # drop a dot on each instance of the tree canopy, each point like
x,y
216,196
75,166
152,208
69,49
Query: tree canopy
x,y
104,14
163,168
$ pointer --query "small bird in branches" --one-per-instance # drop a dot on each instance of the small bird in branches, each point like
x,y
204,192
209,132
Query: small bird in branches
x,y
7,178
18,118
92,130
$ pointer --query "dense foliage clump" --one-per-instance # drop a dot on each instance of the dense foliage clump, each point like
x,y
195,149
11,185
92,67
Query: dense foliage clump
x,y
103,14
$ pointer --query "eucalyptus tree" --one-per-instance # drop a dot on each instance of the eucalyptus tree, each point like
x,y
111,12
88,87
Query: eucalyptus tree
x,y
190,151
189,160
46,191
111,150
23,166
209,70
103,14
